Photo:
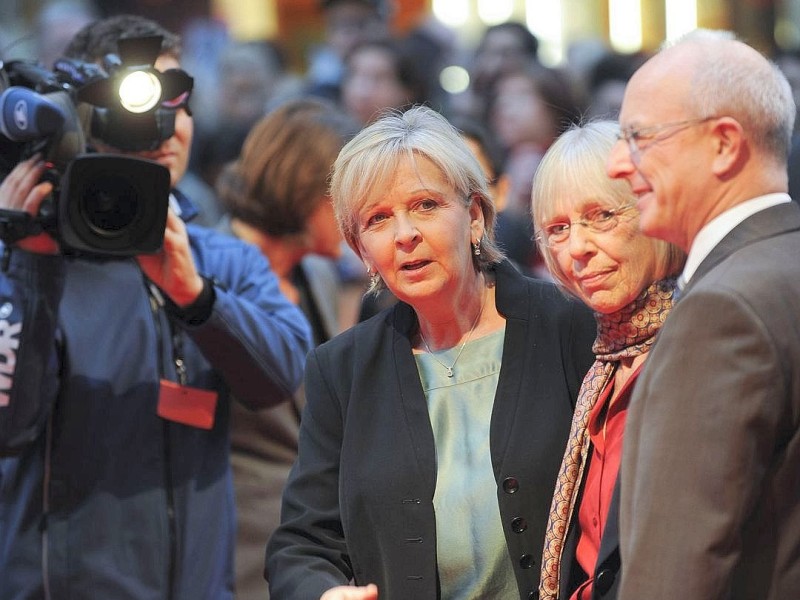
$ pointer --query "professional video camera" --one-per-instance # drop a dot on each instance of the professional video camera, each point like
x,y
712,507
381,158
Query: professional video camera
x,y
102,203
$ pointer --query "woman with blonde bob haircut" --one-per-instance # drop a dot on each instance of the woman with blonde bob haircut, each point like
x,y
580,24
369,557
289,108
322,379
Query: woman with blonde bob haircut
x,y
587,230
371,159
425,470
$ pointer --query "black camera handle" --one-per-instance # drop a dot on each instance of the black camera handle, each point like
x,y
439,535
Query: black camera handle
x,y
14,226
17,224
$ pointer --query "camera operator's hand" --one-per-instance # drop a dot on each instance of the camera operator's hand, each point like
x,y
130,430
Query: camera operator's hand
x,y
172,268
21,190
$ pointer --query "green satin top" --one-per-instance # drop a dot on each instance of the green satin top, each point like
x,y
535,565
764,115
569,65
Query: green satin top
x,y
470,544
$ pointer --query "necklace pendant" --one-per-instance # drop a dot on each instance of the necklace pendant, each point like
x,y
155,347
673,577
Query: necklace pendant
x,y
449,371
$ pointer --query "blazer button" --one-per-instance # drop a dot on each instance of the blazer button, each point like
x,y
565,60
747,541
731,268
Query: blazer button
x,y
510,485
518,524
604,581
526,561
534,595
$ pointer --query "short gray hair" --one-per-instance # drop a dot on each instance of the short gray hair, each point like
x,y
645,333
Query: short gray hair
x,y
754,92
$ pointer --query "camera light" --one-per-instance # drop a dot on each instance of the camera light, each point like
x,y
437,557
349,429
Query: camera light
x,y
140,91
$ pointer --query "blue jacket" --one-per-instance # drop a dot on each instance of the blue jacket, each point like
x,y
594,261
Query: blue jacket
x,y
99,496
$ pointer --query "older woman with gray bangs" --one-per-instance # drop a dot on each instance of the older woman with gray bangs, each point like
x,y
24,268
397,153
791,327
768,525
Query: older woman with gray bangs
x,y
587,231
431,437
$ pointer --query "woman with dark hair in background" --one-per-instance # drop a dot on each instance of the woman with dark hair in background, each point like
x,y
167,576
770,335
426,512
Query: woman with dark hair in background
x,y
276,198
528,109
503,48
382,74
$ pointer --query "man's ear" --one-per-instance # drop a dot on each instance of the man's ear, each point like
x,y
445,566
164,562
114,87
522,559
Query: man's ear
x,y
730,146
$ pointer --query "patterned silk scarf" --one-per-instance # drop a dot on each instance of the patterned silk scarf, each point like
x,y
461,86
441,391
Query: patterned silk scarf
x,y
626,333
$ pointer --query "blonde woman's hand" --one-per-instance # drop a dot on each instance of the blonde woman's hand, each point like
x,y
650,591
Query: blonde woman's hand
x,y
352,592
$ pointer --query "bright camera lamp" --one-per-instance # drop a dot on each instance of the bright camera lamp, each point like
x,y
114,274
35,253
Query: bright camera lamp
x,y
140,91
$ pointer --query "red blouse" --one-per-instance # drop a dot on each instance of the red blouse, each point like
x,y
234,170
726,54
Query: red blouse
x,y
606,427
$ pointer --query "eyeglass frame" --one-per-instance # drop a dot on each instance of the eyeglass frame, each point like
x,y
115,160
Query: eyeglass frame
x,y
631,135
616,212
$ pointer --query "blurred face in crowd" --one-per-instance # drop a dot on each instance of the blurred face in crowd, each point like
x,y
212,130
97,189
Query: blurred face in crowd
x,y
349,22
371,84
246,80
173,153
501,52
244,98
519,115
324,236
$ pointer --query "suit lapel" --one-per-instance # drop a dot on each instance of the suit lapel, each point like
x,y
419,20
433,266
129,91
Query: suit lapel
x,y
764,224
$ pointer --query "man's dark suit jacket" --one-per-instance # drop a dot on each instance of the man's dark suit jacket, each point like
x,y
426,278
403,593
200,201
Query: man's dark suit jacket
x,y
359,501
710,504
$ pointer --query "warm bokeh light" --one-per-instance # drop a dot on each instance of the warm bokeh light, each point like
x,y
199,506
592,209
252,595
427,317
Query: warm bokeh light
x,y
454,13
248,19
543,18
681,17
492,12
454,79
625,25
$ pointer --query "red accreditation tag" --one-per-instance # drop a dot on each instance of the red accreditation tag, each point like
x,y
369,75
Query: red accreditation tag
x,y
186,405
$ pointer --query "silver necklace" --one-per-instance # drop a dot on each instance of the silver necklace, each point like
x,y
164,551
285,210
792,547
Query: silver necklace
x,y
463,345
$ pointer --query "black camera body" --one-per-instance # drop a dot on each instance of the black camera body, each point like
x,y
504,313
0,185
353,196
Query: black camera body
x,y
102,204
112,205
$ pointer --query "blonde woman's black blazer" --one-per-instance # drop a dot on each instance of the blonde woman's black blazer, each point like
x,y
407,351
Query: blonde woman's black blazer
x,y
359,501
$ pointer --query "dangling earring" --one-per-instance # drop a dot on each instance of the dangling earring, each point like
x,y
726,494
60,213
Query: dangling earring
x,y
476,247
374,278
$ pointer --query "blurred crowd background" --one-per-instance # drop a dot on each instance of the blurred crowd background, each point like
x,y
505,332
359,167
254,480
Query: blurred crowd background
x,y
518,71
281,84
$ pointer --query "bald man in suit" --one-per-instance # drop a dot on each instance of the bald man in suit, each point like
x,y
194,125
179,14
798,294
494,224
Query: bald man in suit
x,y
710,500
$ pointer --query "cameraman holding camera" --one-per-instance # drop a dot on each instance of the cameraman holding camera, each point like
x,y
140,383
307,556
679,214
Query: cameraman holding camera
x,y
116,377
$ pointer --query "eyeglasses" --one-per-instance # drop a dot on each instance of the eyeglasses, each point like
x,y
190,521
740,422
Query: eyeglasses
x,y
632,137
596,220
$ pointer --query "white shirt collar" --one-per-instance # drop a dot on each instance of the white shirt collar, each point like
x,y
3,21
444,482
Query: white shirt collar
x,y
717,228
